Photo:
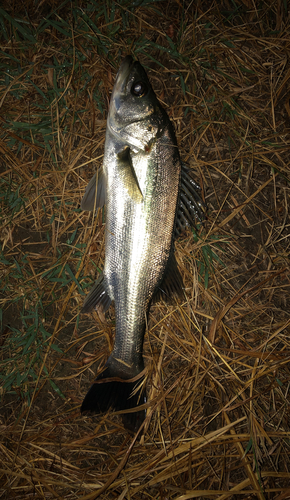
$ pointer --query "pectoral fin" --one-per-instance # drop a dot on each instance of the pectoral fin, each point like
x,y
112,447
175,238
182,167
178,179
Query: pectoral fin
x,y
128,175
95,194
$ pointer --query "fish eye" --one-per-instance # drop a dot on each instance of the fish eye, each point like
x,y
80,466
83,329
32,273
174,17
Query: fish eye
x,y
139,89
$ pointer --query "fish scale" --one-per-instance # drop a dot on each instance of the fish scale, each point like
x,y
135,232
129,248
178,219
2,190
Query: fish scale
x,y
142,182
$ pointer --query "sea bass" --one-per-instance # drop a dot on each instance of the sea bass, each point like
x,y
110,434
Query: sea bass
x,y
150,197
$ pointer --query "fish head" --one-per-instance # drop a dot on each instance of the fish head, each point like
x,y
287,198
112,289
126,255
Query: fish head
x,y
135,115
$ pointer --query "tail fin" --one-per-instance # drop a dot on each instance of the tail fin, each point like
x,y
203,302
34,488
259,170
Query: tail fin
x,y
119,394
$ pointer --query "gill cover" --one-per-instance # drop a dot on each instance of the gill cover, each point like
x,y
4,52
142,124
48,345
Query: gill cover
x,y
135,115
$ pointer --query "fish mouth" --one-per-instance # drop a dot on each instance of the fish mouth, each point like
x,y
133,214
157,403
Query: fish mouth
x,y
114,124
123,111
123,74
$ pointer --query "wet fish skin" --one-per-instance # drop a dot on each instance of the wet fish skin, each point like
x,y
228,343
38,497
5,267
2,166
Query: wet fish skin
x,y
142,181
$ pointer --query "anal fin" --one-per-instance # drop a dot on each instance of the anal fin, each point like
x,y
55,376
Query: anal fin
x,y
98,298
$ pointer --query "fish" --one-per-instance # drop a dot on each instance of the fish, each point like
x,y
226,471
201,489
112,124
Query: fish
x,y
150,198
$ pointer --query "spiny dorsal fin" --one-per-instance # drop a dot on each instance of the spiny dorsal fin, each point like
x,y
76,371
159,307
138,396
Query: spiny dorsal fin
x,y
191,208
95,193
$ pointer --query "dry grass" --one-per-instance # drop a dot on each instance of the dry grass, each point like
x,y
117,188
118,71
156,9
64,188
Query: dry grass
x,y
218,422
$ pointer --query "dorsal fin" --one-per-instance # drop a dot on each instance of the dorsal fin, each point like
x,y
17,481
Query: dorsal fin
x,y
172,284
191,208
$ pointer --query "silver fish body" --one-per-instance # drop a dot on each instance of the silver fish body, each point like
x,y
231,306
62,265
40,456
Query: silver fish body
x,y
142,183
